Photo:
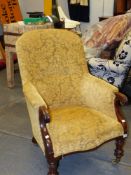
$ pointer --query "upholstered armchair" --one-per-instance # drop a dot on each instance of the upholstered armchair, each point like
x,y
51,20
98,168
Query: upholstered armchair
x,y
70,110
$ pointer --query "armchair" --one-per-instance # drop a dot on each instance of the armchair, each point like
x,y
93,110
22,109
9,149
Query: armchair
x,y
70,110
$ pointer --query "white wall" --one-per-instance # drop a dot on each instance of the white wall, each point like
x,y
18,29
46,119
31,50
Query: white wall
x,y
31,6
96,8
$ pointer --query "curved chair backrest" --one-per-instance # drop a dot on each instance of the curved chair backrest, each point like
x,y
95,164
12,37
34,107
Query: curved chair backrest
x,y
52,55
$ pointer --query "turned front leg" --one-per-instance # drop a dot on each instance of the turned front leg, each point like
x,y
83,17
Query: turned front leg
x,y
119,152
53,165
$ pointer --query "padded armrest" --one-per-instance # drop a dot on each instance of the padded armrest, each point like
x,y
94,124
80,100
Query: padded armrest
x,y
98,94
33,95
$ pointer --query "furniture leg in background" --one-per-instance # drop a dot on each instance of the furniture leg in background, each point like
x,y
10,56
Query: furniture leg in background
x,y
10,69
2,51
12,32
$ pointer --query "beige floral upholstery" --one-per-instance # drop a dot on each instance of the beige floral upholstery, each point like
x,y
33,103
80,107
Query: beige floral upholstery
x,y
54,74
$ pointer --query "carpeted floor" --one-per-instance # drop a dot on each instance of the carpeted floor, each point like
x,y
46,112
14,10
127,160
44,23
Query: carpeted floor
x,y
18,156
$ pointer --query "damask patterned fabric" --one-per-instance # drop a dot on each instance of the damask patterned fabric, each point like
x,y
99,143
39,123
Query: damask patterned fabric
x,y
114,71
70,123
54,74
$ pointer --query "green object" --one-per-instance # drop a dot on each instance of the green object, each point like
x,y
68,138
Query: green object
x,y
40,20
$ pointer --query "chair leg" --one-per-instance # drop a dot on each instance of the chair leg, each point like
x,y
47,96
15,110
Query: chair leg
x,y
53,165
34,140
119,152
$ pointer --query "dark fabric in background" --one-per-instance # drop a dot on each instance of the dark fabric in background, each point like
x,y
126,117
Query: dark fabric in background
x,y
78,12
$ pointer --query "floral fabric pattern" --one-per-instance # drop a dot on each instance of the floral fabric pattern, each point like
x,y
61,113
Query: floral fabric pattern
x,y
114,71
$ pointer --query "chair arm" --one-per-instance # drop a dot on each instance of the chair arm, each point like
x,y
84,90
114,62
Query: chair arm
x,y
99,94
38,113
37,102
121,97
33,95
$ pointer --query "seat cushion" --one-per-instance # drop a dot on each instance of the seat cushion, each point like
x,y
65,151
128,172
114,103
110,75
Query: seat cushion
x,y
79,128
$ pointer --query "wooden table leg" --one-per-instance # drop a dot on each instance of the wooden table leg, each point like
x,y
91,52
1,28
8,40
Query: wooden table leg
x,y
10,69
2,51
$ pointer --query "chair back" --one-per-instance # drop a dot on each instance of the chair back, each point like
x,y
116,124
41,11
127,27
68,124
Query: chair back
x,y
53,61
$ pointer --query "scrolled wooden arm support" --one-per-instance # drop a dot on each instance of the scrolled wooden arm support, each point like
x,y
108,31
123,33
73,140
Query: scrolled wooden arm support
x,y
43,112
121,99
44,119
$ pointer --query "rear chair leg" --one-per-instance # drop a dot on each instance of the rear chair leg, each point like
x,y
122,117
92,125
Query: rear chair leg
x,y
34,140
119,152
